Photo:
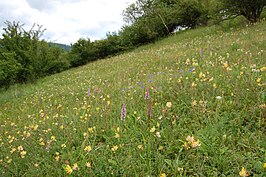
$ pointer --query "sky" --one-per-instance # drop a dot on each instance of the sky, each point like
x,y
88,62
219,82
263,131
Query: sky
x,y
66,21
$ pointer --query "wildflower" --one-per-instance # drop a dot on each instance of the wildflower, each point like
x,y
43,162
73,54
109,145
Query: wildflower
x,y
163,175
258,80
12,150
35,127
158,134
147,94
169,104
264,165
53,138
123,112
243,172
68,169
9,161
23,153
191,70
63,146
200,75
218,97
263,69
191,142
194,103
117,135
90,130
195,144
88,164
114,148
57,158
160,148
152,129
20,148
87,148
75,166
89,92
140,147
186,146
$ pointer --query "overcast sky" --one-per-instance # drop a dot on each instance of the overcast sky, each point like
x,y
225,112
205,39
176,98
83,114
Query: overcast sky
x,y
66,21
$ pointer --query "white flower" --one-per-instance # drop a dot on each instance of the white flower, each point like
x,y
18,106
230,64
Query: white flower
x,y
218,97
169,104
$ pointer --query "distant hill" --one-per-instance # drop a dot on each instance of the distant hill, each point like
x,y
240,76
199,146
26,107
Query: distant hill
x,y
63,46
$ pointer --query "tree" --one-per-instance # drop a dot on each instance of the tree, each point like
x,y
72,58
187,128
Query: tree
x,y
250,9
24,57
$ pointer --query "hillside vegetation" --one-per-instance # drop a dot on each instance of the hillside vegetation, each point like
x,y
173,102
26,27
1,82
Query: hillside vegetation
x,y
192,104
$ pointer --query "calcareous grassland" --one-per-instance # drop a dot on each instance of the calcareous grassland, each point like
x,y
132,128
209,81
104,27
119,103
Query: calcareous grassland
x,y
193,104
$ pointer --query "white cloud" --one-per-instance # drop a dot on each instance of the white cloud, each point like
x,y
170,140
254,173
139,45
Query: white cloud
x,y
67,20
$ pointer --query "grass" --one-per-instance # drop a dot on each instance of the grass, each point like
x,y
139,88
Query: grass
x,y
195,106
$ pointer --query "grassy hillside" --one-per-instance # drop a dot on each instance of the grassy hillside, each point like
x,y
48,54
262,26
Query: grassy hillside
x,y
191,105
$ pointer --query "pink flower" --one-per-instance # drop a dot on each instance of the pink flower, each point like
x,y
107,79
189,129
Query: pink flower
x,y
123,112
147,94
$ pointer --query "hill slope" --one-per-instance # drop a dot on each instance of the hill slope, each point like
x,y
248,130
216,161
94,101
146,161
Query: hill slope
x,y
191,105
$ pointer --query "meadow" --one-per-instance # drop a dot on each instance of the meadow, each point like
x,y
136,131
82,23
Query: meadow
x,y
193,104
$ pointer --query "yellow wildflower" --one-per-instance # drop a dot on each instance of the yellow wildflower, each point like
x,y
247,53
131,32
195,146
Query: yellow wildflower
x,y
243,172
114,148
140,147
160,148
87,148
258,80
53,138
152,129
186,146
163,175
75,166
68,169
194,103
88,164
63,146
117,135
264,165
9,161
23,153
12,150
263,68
200,75
90,130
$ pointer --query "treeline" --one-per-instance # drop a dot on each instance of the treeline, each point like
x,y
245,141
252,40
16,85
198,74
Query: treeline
x,y
24,57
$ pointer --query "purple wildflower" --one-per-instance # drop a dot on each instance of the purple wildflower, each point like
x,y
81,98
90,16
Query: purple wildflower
x,y
89,91
192,69
123,112
149,78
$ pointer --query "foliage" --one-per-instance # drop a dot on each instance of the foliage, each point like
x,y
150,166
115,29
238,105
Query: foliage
x,y
24,57
250,9
9,68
